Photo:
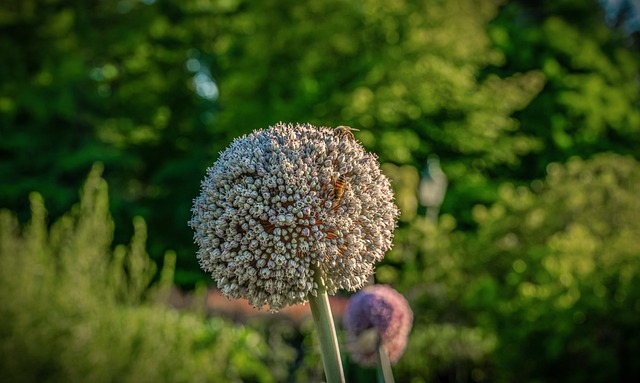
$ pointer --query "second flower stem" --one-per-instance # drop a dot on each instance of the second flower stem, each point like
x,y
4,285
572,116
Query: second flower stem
x,y
385,375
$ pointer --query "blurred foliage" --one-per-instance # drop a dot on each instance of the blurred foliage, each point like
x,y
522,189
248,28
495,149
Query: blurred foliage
x,y
405,73
131,84
590,101
518,278
564,282
72,309
551,276
154,89
107,81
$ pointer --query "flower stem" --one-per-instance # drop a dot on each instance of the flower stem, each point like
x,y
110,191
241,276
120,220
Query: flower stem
x,y
385,375
323,321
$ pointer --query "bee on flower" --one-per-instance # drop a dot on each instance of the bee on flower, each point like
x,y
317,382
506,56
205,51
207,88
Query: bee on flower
x,y
346,131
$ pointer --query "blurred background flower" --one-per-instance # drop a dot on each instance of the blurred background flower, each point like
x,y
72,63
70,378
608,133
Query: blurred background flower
x,y
376,315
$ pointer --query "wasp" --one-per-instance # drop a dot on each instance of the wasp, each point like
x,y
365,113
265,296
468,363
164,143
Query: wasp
x,y
338,188
345,131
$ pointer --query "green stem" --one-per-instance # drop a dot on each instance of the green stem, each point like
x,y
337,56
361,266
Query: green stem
x,y
385,375
323,320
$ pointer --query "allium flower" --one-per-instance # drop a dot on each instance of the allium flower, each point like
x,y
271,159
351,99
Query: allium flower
x,y
377,314
285,200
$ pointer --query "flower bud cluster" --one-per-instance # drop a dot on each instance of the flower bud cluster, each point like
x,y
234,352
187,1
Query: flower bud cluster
x,y
377,314
283,201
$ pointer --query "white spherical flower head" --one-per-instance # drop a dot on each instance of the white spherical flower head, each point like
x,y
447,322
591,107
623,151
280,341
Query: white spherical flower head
x,y
286,200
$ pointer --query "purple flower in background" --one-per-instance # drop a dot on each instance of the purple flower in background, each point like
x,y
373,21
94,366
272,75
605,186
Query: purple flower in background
x,y
283,202
377,313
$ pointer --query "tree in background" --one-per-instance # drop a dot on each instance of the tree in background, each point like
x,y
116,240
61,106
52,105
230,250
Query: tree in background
x,y
554,273
155,89
121,82
405,73
590,101
131,84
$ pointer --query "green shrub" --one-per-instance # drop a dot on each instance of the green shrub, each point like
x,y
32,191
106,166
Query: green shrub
x,y
558,274
546,290
74,309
